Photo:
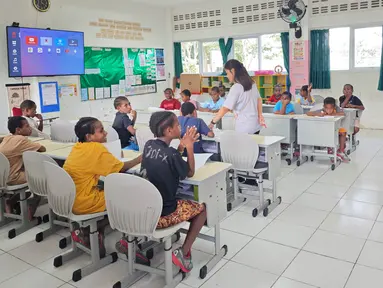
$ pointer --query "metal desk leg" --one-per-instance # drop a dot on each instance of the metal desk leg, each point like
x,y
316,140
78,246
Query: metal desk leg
x,y
276,200
301,158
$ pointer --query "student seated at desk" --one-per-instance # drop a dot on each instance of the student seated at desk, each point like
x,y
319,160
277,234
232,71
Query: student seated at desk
x,y
330,109
165,168
189,119
304,97
88,160
348,100
185,95
28,108
123,124
170,103
222,91
215,103
13,147
276,96
284,106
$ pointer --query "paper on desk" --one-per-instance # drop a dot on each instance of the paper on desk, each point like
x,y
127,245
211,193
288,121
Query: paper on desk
x,y
325,116
200,159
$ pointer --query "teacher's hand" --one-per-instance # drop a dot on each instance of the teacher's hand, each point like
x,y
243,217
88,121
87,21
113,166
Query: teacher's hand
x,y
262,121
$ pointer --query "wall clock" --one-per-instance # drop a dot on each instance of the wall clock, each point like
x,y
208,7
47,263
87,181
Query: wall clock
x,y
41,5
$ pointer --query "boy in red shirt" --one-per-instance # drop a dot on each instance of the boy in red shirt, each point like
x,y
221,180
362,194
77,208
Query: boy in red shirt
x,y
170,103
276,96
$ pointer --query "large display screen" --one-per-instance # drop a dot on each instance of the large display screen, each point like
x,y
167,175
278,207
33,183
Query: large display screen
x,y
43,52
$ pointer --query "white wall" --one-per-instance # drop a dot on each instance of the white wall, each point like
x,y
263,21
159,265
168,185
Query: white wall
x,y
76,15
365,81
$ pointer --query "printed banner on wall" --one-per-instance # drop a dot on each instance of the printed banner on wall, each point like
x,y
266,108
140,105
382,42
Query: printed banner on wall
x,y
299,64
17,93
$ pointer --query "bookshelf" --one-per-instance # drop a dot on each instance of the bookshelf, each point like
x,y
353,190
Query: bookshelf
x,y
265,83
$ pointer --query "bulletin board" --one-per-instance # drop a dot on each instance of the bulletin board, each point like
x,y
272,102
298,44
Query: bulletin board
x,y
112,72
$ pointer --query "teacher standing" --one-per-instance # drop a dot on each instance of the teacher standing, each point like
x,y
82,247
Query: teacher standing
x,y
243,99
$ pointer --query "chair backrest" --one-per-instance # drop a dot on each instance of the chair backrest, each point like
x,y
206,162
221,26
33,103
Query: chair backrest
x,y
318,98
298,109
63,131
114,148
35,173
317,107
239,149
112,134
61,189
17,111
134,204
143,135
175,143
4,171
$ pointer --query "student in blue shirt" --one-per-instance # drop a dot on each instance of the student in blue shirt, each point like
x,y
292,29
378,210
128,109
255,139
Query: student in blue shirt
x,y
214,104
189,119
284,106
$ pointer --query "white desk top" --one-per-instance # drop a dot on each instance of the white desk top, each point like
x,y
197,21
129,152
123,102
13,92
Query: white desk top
x,y
262,141
318,118
60,154
53,146
278,116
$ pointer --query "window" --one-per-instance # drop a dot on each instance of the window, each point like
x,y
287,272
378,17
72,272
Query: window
x,y
246,51
340,48
368,47
272,53
212,57
190,57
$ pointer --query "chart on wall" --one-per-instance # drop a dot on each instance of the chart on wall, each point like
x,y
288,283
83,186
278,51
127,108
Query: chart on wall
x,y
112,72
140,70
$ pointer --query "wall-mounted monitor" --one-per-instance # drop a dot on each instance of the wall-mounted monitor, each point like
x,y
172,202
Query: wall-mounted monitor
x,y
44,52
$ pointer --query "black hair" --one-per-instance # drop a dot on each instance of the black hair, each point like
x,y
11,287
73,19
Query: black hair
x,y
159,121
329,100
349,85
187,108
215,89
241,76
119,100
27,104
84,126
15,122
277,86
305,88
288,94
186,92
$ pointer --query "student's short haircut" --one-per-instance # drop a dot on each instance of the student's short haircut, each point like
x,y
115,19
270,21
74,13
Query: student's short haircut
x,y
187,108
329,100
288,94
349,85
27,104
278,86
119,100
305,88
169,90
187,93
84,126
215,89
15,122
160,121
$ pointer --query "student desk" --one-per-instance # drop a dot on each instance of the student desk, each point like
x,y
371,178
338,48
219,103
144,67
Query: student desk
x,y
348,123
318,132
282,125
269,108
53,146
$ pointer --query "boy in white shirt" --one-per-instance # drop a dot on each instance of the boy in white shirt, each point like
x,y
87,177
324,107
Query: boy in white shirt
x,y
28,108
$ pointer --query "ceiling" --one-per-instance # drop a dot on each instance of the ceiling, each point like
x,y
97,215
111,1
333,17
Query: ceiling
x,y
167,3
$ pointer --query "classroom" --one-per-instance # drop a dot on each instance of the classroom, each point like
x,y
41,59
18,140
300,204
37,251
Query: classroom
x,y
191,144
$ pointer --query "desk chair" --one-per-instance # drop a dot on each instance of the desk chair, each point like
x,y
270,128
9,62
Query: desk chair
x,y
17,111
114,147
61,195
143,135
37,183
242,152
298,109
6,218
63,131
138,217
318,98
112,135
316,107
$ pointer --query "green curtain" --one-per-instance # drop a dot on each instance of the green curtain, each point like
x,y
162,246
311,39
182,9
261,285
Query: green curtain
x,y
320,59
380,84
286,55
225,50
178,68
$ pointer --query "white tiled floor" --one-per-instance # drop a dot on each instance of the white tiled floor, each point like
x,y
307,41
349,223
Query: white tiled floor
x,y
328,232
